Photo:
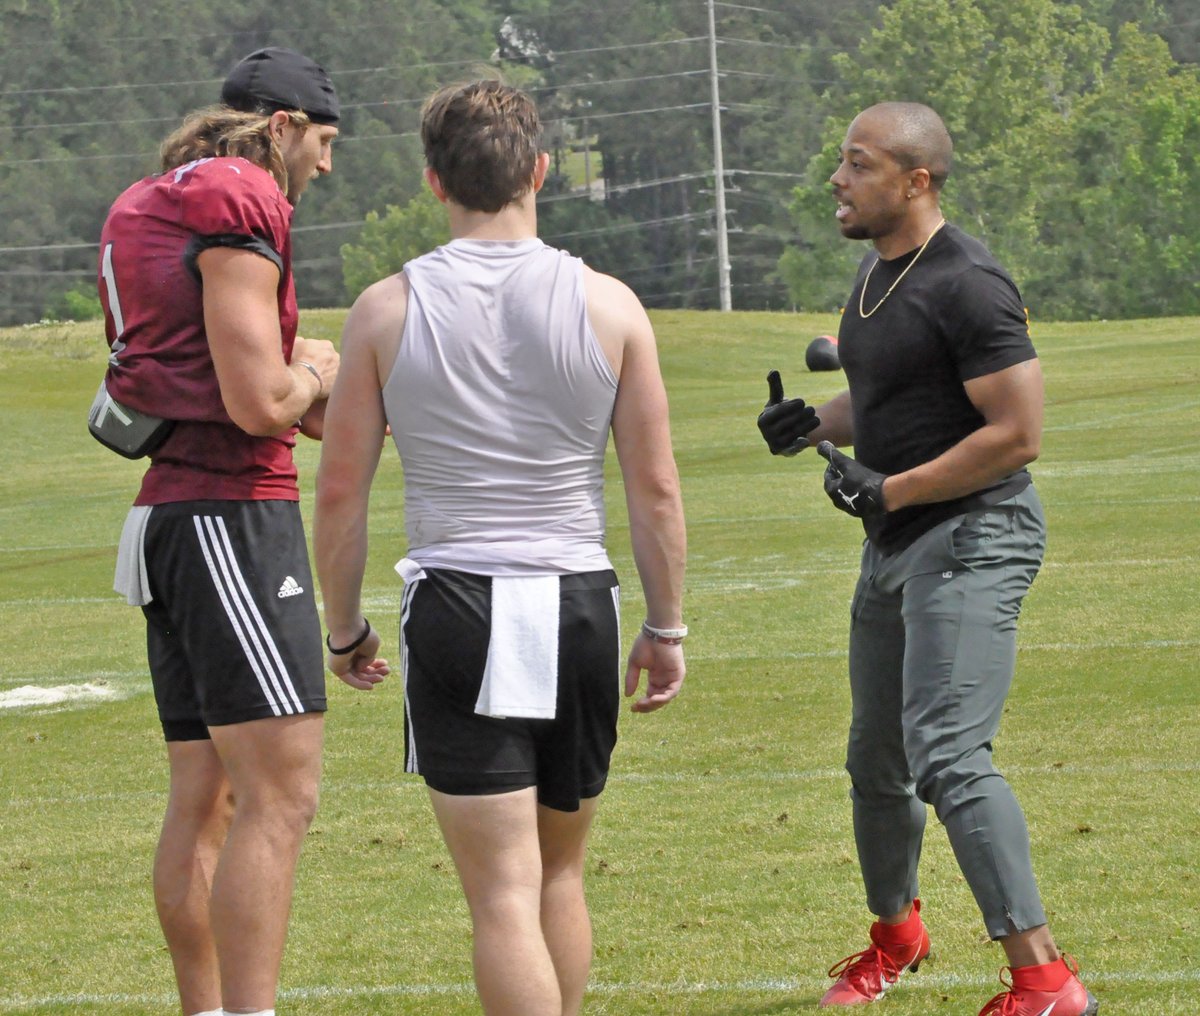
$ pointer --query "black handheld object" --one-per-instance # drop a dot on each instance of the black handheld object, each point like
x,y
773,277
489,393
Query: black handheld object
x,y
851,486
785,423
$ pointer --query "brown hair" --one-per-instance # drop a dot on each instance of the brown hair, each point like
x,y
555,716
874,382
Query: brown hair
x,y
219,131
481,139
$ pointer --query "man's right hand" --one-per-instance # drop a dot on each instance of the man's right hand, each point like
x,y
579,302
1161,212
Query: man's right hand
x,y
362,668
324,357
785,423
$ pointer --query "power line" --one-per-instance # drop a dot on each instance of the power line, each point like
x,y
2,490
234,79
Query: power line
x,y
372,104
756,10
78,158
625,227
84,123
694,263
615,190
49,246
348,72
767,45
762,172
295,30
630,45
39,272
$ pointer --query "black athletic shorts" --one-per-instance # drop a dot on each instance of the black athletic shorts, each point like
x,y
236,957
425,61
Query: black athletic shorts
x,y
445,628
232,632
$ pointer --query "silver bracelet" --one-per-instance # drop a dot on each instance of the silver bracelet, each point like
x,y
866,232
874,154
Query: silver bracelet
x,y
315,373
667,636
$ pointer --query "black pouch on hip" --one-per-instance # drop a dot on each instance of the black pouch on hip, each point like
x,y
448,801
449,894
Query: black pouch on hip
x,y
126,431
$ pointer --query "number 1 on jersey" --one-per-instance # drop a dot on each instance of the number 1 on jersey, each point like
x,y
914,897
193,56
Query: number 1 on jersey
x,y
114,303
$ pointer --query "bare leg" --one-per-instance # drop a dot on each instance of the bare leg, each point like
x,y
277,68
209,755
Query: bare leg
x,y
1030,948
194,828
493,840
274,768
566,926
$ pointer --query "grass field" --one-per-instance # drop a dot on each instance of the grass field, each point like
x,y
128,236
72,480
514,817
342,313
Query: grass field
x,y
722,878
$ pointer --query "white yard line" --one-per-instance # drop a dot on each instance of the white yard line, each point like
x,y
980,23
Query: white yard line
x,y
678,989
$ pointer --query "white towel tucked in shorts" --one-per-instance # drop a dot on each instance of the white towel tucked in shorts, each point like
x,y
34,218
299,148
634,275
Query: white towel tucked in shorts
x,y
131,579
520,678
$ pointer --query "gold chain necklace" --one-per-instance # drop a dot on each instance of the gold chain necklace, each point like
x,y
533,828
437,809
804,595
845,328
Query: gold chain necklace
x,y
863,292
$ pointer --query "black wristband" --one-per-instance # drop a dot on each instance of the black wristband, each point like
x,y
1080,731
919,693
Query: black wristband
x,y
353,645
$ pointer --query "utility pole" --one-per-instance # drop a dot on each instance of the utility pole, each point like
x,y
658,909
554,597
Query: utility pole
x,y
718,165
587,151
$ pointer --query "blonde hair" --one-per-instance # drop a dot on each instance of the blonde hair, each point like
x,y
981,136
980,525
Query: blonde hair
x,y
481,139
220,131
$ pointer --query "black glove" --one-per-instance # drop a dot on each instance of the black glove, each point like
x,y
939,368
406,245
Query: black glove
x,y
785,424
851,486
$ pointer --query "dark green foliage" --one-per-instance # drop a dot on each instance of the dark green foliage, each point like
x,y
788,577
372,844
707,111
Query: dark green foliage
x,y
1075,153
1056,110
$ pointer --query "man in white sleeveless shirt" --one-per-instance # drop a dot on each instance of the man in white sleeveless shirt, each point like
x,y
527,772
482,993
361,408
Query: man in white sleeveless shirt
x,y
501,365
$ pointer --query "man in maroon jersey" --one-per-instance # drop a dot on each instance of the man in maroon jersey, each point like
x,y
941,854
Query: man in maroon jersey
x,y
200,316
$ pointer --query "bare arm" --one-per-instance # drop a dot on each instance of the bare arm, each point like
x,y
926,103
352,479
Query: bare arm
x,y
642,436
1010,402
312,423
355,423
263,394
837,423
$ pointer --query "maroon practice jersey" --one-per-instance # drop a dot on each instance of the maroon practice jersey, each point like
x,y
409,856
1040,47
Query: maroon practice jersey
x,y
154,320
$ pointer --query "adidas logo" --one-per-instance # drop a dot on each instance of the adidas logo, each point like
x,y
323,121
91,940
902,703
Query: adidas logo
x,y
290,587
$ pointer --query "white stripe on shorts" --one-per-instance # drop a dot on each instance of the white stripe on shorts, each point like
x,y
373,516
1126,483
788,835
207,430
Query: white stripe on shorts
x,y
616,595
257,643
410,761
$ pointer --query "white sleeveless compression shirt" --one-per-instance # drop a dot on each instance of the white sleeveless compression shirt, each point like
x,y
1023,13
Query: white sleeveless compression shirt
x,y
500,402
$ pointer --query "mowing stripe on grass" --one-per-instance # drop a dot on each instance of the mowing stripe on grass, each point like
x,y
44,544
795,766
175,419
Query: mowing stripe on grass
x,y
1104,422
404,785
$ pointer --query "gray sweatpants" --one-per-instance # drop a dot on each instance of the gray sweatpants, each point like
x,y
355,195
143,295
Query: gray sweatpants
x,y
932,654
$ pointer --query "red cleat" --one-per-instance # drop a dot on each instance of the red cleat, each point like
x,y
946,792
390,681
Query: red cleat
x,y
1030,992
865,976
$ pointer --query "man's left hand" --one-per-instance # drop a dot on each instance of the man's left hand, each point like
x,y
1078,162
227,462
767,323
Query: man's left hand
x,y
851,486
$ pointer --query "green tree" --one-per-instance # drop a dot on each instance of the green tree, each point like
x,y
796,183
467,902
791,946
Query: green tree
x,y
1005,76
1120,227
387,242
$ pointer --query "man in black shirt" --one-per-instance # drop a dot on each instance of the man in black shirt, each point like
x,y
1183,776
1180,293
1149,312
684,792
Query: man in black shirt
x,y
944,409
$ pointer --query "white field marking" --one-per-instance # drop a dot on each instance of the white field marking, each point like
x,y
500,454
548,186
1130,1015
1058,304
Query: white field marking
x,y
30,548
1070,647
1049,647
1115,467
1132,562
824,654
819,775
1072,344
1103,422
1073,502
63,601
1172,450
782,577
93,676
29,696
115,795
762,985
